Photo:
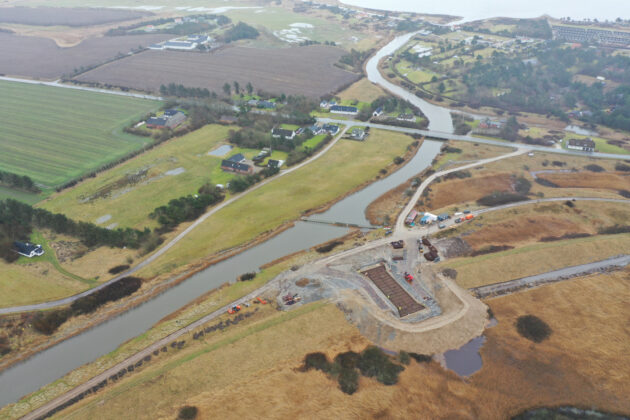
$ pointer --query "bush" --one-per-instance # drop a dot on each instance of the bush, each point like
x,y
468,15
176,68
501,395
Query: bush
x,y
546,183
489,249
610,230
123,287
118,269
594,168
450,273
398,160
624,193
499,198
348,359
48,322
622,167
317,361
420,358
522,185
375,363
532,328
187,412
4,346
247,276
240,31
348,380
328,247
404,357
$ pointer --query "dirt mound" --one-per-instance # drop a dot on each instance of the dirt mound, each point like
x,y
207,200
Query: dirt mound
x,y
453,247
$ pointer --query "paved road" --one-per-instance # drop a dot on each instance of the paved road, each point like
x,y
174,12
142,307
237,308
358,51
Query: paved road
x,y
174,241
448,136
85,88
551,276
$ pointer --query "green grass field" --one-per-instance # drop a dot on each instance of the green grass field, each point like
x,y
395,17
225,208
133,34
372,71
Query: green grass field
x,y
53,134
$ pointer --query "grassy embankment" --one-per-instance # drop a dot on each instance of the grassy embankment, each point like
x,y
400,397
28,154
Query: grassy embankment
x,y
54,135
581,364
345,167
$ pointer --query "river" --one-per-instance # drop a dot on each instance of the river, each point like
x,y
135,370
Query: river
x,y
484,9
53,363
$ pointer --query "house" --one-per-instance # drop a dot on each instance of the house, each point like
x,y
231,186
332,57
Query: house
x,y
266,104
489,124
330,129
171,119
180,45
315,129
199,39
358,134
377,112
585,145
228,119
341,109
273,163
282,133
406,117
236,164
28,249
323,104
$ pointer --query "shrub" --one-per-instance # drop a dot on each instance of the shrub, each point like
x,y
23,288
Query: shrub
x,y
569,203
610,230
118,269
522,185
375,363
404,357
546,183
420,358
489,249
558,163
124,287
624,193
622,167
450,273
328,247
532,328
4,346
317,361
348,359
247,276
398,160
500,197
594,168
348,380
48,322
187,412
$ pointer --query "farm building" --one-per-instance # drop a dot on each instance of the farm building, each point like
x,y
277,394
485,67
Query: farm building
x,y
180,45
171,119
341,109
586,145
273,163
236,164
28,249
283,133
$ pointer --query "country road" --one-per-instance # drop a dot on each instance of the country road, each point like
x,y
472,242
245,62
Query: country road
x,y
440,135
551,276
174,241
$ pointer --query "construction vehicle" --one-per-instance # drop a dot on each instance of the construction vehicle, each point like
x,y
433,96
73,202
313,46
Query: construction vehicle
x,y
469,217
408,277
234,309
291,299
260,300
398,244
458,220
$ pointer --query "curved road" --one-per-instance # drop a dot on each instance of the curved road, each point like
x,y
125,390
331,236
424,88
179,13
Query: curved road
x,y
173,242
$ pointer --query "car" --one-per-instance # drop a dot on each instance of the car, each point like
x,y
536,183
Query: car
x,y
466,211
441,225
458,220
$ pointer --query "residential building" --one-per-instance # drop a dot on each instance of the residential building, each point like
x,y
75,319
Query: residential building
x,y
586,145
330,129
406,117
170,119
180,45
341,109
237,164
273,163
28,249
283,133
358,134
378,112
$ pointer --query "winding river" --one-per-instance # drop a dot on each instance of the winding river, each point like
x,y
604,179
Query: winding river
x,y
55,362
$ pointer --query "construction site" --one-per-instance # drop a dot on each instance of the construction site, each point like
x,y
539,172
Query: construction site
x,y
392,293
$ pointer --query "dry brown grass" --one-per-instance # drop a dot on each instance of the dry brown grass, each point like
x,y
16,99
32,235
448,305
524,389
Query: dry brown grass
x,y
600,180
583,363
455,191
362,91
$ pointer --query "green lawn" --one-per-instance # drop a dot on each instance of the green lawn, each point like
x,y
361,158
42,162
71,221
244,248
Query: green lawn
x,y
314,141
54,134
23,196
176,168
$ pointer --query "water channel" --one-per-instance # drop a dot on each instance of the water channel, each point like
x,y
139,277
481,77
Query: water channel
x,y
53,363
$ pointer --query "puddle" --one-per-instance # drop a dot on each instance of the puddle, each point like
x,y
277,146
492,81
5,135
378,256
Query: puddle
x,y
103,219
465,360
175,171
579,130
220,151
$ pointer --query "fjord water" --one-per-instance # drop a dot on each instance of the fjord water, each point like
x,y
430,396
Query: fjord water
x,y
483,9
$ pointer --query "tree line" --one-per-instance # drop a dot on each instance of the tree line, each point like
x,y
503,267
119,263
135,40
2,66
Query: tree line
x,y
187,208
20,182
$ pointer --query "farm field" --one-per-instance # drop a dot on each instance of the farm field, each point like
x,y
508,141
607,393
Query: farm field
x,y
346,166
176,168
362,91
224,374
54,135
41,58
80,16
294,71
